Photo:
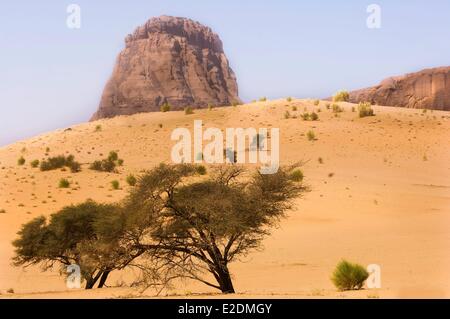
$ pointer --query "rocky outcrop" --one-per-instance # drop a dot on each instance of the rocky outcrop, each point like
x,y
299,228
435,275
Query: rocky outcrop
x,y
169,60
428,89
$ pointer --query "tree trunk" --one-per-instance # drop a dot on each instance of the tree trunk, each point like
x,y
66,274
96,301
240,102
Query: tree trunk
x,y
103,278
225,282
90,282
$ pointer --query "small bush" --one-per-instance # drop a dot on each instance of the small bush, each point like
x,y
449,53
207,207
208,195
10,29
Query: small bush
x,y
311,136
210,107
320,159
287,115
337,108
305,116
60,161
115,184
165,107
349,276
316,102
188,110
365,109
107,165
64,183
297,175
98,128
131,180
328,105
21,161
341,96
314,116
289,99
294,108
263,99
113,156
201,169
235,103
34,163
10,291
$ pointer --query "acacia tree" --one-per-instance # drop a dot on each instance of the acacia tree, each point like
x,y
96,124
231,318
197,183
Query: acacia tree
x,y
189,227
87,234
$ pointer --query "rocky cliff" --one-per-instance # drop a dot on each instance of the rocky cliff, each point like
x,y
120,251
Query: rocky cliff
x,y
169,60
429,89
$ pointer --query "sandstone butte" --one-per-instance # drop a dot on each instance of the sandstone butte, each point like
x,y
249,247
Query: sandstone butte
x,y
169,60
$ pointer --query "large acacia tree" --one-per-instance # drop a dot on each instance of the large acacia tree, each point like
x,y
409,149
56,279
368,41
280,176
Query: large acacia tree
x,y
190,227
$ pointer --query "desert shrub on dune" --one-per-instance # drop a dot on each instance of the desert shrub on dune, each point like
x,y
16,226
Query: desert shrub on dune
x,y
21,161
349,276
107,165
188,110
131,180
64,183
316,102
365,109
341,96
165,107
311,136
60,161
34,163
336,108
115,184
314,116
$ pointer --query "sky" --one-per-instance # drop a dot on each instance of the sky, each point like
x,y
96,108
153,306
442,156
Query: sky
x,y
52,76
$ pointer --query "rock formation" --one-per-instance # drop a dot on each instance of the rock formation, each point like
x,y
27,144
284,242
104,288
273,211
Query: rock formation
x,y
428,89
169,60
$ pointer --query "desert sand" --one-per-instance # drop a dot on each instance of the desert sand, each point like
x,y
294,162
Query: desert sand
x,y
380,196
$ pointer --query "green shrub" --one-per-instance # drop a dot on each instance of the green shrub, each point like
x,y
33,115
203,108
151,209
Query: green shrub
x,y
349,276
34,163
21,161
296,175
64,183
365,109
341,96
201,169
188,110
98,128
287,115
113,156
107,165
60,161
311,136
305,116
115,184
131,180
165,107
314,116
337,108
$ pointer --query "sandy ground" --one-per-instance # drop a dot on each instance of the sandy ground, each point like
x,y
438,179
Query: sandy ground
x,y
381,196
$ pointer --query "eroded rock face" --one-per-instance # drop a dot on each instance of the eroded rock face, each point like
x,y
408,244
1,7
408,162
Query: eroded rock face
x,y
173,60
429,89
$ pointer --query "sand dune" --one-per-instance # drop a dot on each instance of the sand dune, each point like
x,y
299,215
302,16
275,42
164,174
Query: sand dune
x,y
380,196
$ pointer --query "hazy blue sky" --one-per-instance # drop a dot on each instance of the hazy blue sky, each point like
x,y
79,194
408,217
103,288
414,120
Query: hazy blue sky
x,y
52,76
